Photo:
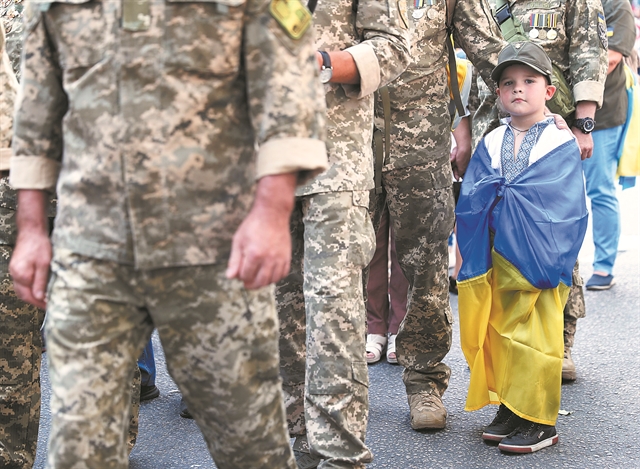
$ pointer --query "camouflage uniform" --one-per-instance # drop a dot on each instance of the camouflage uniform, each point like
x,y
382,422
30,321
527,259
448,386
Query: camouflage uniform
x,y
320,304
20,340
578,48
416,182
146,120
20,337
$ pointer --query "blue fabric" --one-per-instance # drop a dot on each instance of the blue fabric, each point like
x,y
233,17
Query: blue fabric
x,y
147,365
625,181
600,175
539,219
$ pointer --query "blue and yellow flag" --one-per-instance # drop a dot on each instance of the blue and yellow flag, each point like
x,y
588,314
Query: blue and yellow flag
x,y
512,288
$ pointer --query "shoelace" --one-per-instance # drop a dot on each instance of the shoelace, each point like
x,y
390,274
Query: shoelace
x,y
528,430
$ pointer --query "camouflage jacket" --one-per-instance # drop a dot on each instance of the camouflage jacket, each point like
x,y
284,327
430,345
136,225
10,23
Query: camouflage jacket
x,y
147,123
10,48
578,43
376,34
420,120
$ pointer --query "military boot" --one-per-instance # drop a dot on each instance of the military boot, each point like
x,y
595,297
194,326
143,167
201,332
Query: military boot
x,y
427,411
568,367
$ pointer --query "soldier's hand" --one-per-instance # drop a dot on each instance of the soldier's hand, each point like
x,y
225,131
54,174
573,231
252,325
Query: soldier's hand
x,y
461,154
29,264
29,268
261,248
585,142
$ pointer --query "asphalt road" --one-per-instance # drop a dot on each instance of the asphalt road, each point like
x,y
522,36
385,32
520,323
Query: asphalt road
x,y
601,430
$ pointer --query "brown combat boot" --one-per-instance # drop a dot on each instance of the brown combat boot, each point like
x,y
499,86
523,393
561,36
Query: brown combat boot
x,y
427,411
568,367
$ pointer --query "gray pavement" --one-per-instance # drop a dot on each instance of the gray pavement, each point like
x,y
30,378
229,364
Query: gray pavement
x,y
601,430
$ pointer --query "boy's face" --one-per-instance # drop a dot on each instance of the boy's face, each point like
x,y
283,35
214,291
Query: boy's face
x,y
523,91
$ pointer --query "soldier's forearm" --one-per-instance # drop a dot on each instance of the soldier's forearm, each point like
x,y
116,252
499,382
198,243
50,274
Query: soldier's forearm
x,y
344,67
275,194
585,109
31,216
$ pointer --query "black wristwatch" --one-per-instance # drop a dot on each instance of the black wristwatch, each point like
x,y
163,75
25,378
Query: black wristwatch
x,y
585,125
326,72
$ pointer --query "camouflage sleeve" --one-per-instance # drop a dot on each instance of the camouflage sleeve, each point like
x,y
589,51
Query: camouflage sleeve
x,y
384,52
8,90
621,28
286,98
476,32
588,62
41,105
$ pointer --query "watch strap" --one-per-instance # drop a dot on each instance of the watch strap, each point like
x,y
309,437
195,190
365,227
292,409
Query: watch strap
x,y
326,60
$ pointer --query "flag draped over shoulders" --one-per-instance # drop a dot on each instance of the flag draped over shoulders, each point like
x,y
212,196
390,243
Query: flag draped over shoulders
x,y
519,243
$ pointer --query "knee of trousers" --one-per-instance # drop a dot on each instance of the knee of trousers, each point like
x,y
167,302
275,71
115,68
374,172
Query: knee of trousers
x,y
331,378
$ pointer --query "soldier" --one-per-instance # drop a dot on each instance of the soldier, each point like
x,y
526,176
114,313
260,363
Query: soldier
x,y
416,185
20,340
363,45
573,34
146,120
21,347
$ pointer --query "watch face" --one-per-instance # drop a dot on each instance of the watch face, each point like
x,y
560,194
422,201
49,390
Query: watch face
x,y
326,74
588,125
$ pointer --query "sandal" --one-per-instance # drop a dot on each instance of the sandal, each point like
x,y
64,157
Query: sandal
x,y
375,345
391,349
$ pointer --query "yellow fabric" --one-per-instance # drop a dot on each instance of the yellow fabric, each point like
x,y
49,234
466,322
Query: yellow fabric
x,y
511,336
461,68
629,163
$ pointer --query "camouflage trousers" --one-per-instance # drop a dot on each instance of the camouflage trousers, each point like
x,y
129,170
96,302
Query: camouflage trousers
x,y
322,318
20,350
421,207
221,347
575,307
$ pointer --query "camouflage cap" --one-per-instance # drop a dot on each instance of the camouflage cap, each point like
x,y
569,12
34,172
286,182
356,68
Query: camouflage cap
x,y
524,52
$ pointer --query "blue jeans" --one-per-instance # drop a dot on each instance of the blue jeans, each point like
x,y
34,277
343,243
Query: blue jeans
x,y
147,365
600,173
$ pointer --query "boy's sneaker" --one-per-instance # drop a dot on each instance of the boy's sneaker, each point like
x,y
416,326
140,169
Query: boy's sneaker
x,y
600,282
529,437
503,424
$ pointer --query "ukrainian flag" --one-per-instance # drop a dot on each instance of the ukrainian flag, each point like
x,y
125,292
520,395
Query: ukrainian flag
x,y
519,243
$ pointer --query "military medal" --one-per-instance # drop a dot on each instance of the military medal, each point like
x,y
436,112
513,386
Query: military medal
x,y
534,23
542,34
432,13
419,8
552,34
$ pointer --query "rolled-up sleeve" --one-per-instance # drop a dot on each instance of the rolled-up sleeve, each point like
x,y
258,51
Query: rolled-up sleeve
x,y
40,108
385,51
286,98
307,156
588,65
8,90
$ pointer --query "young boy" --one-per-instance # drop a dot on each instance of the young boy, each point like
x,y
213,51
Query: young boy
x,y
521,221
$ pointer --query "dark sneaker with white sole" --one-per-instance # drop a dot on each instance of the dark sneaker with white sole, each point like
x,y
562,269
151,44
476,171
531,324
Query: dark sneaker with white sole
x,y
503,424
529,438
